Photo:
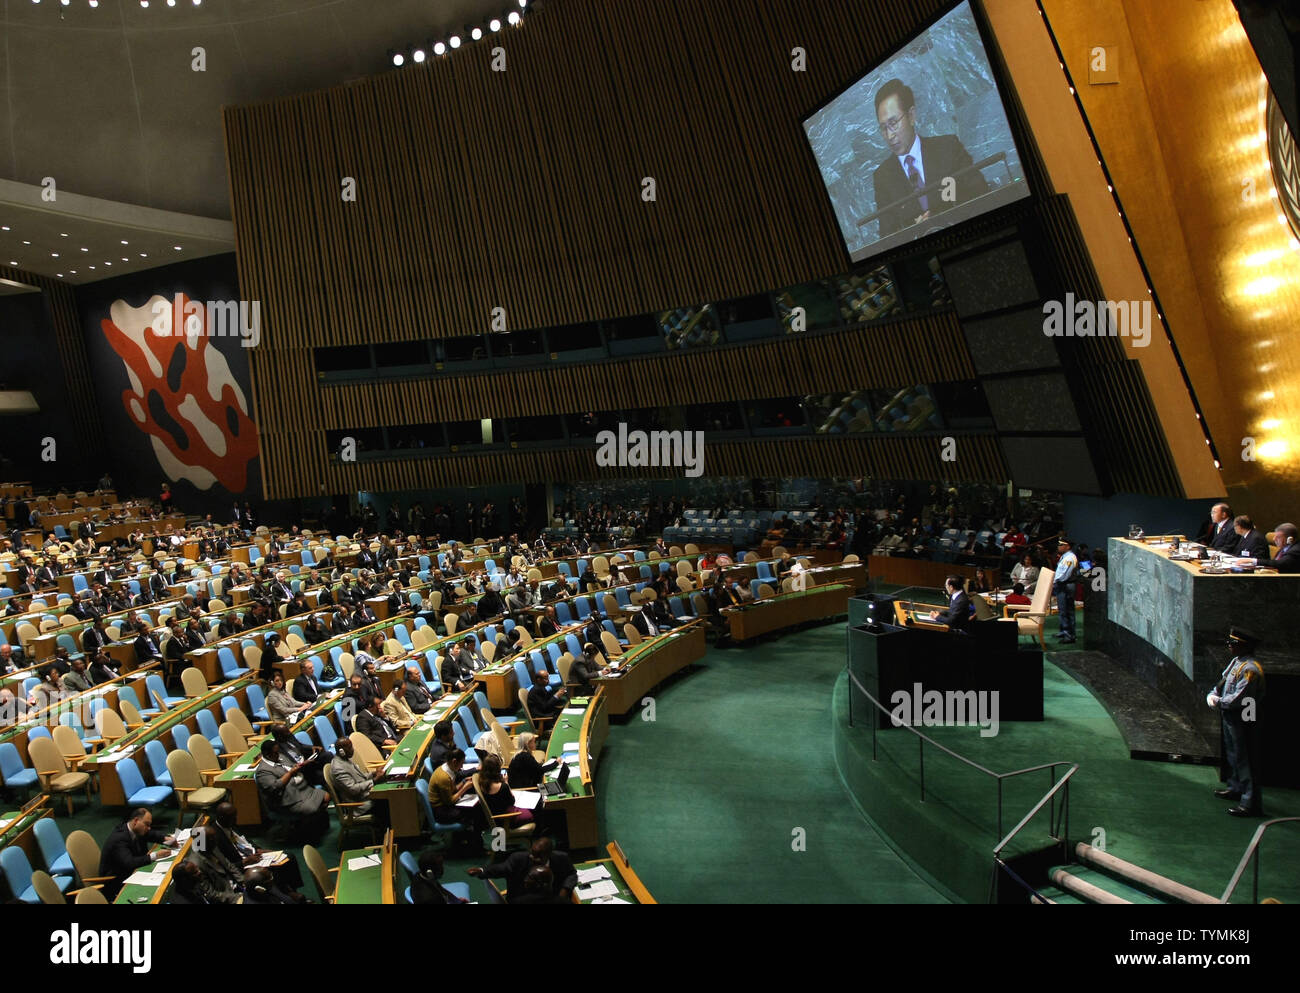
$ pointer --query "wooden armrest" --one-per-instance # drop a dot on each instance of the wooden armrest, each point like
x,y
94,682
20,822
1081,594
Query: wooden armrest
x,y
95,886
231,755
211,775
184,789
334,869
90,881
340,803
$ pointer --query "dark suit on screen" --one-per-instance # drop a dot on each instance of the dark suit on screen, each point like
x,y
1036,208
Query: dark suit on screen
x,y
941,156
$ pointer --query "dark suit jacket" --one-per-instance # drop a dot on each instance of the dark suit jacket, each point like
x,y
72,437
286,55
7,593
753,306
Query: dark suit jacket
x,y
957,616
515,868
941,156
304,690
1226,538
375,728
146,648
642,624
1253,545
1288,559
122,854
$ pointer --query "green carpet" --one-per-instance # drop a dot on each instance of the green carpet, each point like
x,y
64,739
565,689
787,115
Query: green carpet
x,y
706,799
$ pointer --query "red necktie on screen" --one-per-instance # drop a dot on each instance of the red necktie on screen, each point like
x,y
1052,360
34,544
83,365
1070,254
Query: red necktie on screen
x,y
914,175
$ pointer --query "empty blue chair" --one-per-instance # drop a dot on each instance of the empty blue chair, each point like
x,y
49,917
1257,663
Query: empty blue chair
x,y
765,572
155,687
68,642
128,694
180,736
471,722
646,573
137,793
553,650
489,634
582,607
79,584
40,731
435,826
345,725
29,684
623,597
209,729
572,645
402,636
462,742
510,724
18,873
562,613
308,559
15,775
228,703
565,570
325,732
523,676
53,850
638,556
156,753
230,668
257,703
508,625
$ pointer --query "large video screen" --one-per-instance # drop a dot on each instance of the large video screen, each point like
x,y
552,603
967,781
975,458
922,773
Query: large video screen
x,y
919,143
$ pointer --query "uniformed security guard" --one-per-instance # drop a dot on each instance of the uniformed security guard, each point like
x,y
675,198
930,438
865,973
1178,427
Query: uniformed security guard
x,y
1237,696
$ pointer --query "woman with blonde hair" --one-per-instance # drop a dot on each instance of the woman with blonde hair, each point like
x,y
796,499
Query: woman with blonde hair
x,y
525,771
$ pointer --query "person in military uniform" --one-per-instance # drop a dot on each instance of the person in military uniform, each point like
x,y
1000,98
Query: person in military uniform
x,y
1237,696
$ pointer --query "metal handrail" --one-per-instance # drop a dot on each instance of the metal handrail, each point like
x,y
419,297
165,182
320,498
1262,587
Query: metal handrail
x,y
1063,781
999,776
1252,853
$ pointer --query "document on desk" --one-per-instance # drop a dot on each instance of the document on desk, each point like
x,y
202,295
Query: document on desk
x,y
365,862
605,887
528,800
145,878
612,899
468,801
268,860
594,874
398,770
575,711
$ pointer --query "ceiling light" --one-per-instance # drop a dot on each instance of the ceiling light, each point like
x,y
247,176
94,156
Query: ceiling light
x,y
144,255
514,17
59,274
454,41
93,3
476,33
4,227
63,234
418,55
15,263
494,25
54,255
26,242
125,259
125,242
171,3
85,249
523,4
439,48
177,247
398,58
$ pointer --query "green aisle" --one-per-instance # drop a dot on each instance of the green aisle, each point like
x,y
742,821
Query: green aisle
x,y
706,798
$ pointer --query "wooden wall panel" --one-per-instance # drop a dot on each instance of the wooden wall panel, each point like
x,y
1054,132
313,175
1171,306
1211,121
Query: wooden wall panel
x,y
888,456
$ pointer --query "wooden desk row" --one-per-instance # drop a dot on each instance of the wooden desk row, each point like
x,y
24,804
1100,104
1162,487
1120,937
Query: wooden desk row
x,y
786,610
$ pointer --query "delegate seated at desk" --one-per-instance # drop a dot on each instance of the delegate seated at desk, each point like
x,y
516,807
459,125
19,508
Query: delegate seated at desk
x,y
957,616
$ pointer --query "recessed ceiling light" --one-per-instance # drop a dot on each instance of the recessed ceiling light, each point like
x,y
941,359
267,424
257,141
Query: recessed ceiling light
x,y
439,48
177,247
125,242
73,271
59,274
125,259
85,249
63,234
92,267
26,242
476,33
54,255
454,41
144,255
15,263
494,24
4,227
108,263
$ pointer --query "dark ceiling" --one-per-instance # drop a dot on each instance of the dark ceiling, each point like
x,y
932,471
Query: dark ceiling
x,y
105,100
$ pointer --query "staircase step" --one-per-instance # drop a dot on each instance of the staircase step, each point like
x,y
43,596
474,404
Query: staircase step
x,y
1144,879
1098,886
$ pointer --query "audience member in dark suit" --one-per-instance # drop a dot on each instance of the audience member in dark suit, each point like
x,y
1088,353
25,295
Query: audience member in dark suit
x,y
146,645
305,687
374,725
957,616
1288,548
1223,537
127,849
515,868
418,695
425,885
342,622
94,637
916,162
543,702
1250,543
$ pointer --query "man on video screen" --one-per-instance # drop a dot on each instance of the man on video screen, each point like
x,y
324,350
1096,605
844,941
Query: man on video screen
x,y
917,162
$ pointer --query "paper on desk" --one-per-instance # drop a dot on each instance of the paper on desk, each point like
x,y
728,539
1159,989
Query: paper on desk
x,y
364,862
468,801
605,887
399,770
572,710
268,860
183,835
244,768
527,800
596,872
146,878
612,899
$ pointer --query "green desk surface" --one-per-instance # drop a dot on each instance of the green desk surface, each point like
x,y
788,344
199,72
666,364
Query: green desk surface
x,y
616,877
565,732
410,751
15,822
787,597
146,894
360,886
